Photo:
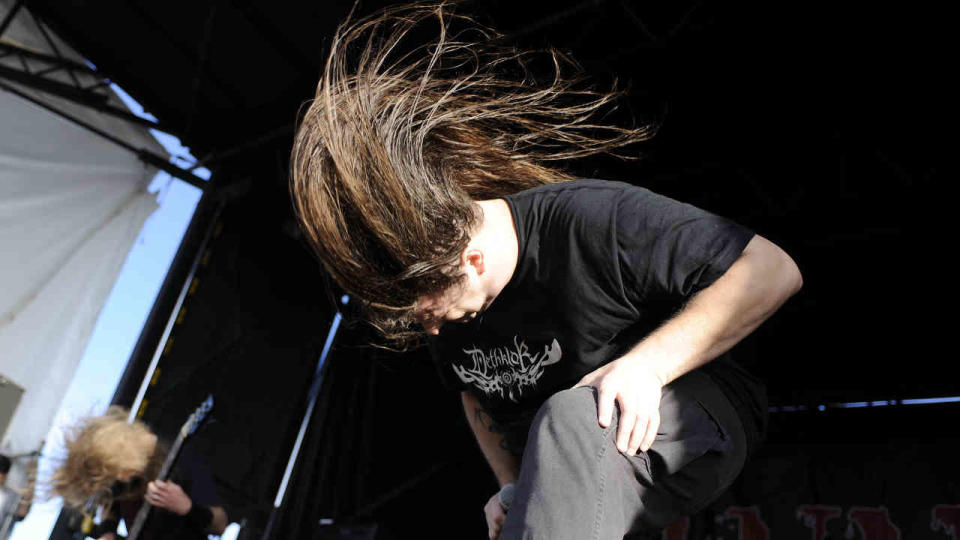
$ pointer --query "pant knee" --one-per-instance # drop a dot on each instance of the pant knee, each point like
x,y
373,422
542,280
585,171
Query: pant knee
x,y
568,411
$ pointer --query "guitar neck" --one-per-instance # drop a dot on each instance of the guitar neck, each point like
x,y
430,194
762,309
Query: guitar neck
x,y
171,457
144,512
188,427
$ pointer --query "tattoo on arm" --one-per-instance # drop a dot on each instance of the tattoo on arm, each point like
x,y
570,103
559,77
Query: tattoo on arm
x,y
487,421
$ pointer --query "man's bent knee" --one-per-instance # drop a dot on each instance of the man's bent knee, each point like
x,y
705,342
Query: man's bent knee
x,y
572,409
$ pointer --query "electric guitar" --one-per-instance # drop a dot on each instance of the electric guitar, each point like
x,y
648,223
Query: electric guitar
x,y
189,427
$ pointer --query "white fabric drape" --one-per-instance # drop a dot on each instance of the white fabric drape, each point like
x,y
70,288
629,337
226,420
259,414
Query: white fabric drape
x,y
71,205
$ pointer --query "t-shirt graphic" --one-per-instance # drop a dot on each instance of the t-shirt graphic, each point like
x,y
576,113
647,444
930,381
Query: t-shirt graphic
x,y
506,370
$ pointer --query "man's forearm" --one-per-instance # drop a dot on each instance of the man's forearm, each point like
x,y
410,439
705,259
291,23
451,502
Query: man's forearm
x,y
504,465
718,317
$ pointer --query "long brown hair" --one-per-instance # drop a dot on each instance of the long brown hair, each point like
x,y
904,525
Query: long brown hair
x,y
400,140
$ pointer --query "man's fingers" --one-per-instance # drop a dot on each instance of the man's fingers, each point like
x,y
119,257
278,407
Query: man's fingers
x,y
636,437
605,407
625,428
494,516
651,432
498,526
493,528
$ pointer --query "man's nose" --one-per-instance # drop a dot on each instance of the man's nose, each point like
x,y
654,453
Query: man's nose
x,y
432,327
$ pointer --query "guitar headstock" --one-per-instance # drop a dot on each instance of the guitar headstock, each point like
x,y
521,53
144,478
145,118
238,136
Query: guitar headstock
x,y
197,417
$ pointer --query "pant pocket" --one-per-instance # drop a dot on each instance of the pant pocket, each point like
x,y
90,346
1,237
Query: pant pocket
x,y
687,432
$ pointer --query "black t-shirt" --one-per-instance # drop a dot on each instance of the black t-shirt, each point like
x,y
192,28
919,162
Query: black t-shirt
x,y
601,264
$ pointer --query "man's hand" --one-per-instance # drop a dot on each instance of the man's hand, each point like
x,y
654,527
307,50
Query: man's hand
x,y
108,536
169,496
495,516
636,390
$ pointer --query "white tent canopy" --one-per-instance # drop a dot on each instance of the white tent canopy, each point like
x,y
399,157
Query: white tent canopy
x,y
71,205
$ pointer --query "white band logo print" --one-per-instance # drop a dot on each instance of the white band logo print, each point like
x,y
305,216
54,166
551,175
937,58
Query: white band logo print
x,y
507,371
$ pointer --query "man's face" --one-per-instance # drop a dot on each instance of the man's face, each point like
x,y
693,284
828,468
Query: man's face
x,y
126,474
127,483
459,304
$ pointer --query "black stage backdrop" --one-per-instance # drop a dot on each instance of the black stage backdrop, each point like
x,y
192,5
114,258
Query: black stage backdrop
x,y
810,125
820,125
394,450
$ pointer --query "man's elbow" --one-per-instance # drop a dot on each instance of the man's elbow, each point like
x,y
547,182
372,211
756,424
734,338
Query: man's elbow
x,y
778,268
790,278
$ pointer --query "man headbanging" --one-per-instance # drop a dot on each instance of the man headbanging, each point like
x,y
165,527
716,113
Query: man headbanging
x,y
427,180
114,463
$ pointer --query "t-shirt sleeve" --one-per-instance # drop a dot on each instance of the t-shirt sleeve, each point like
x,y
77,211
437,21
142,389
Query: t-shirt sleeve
x,y
670,250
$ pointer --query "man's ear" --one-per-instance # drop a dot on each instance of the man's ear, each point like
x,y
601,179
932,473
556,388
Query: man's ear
x,y
474,257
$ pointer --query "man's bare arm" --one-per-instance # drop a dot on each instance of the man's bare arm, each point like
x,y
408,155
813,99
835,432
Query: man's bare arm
x,y
504,465
718,317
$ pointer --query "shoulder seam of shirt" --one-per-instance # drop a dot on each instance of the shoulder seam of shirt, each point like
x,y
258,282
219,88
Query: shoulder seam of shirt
x,y
580,184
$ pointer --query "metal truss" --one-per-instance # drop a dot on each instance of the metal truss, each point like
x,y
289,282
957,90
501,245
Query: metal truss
x,y
90,95
43,72
84,86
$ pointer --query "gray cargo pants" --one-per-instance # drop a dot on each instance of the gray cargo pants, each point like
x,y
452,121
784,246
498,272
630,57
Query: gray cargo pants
x,y
574,484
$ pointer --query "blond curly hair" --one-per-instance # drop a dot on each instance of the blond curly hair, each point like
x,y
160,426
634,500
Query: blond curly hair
x,y
101,450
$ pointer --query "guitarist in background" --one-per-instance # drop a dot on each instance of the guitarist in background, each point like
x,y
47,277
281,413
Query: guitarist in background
x,y
116,462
